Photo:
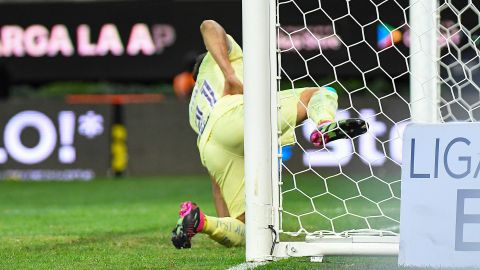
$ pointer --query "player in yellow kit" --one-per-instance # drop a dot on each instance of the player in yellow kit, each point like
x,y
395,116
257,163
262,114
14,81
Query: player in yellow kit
x,y
216,115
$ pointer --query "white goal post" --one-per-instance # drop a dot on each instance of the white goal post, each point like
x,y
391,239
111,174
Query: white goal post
x,y
267,174
260,135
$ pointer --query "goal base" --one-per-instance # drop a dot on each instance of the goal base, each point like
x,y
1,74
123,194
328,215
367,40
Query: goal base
x,y
362,242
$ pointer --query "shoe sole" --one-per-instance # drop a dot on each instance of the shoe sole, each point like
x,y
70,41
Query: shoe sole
x,y
180,238
348,128
183,233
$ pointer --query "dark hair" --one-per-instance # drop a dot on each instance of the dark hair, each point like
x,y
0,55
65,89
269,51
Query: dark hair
x,y
196,67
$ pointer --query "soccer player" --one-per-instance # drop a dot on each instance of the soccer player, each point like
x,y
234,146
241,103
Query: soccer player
x,y
216,115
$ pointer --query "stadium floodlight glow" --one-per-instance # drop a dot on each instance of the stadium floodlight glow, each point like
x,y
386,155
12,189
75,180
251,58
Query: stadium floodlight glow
x,y
346,211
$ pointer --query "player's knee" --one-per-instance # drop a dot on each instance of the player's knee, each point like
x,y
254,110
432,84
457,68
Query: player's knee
x,y
206,24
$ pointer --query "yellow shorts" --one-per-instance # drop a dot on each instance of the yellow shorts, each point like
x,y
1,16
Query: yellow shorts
x,y
221,144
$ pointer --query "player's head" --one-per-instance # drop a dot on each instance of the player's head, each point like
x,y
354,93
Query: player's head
x,y
196,67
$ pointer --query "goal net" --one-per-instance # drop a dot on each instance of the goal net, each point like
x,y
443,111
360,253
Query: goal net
x,y
391,62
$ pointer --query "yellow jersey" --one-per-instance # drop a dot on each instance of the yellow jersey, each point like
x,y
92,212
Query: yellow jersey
x,y
210,84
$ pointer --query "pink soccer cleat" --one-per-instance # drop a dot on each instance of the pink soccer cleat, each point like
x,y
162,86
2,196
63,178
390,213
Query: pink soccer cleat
x,y
190,222
329,131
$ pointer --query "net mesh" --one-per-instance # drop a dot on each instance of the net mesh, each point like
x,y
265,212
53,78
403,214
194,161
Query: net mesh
x,y
361,48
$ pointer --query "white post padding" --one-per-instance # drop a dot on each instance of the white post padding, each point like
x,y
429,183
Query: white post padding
x,y
424,53
258,127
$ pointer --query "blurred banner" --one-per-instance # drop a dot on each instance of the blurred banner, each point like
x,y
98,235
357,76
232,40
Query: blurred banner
x,y
59,141
51,140
155,40
114,40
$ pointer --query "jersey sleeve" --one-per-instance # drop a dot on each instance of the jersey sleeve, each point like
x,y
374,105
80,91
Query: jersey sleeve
x,y
235,51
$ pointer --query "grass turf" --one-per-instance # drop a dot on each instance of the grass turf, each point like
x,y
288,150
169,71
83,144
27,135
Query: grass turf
x,y
120,224
111,224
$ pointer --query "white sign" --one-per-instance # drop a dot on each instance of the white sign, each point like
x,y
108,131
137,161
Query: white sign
x,y
440,206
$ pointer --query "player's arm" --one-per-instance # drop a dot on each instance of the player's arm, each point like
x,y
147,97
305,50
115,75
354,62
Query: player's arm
x,y
217,43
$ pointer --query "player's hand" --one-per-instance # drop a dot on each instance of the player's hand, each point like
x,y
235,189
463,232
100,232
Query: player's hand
x,y
233,85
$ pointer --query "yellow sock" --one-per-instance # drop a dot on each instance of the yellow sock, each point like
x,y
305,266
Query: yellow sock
x,y
227,231
323,105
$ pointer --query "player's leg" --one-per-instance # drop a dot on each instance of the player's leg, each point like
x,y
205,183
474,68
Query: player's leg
x,y
223,157
222,154
219,228
320,105
227,171
299,104
226,230
218,200
321,108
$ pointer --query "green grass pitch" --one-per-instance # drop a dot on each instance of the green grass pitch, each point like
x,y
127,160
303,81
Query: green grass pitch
x,y
120,224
